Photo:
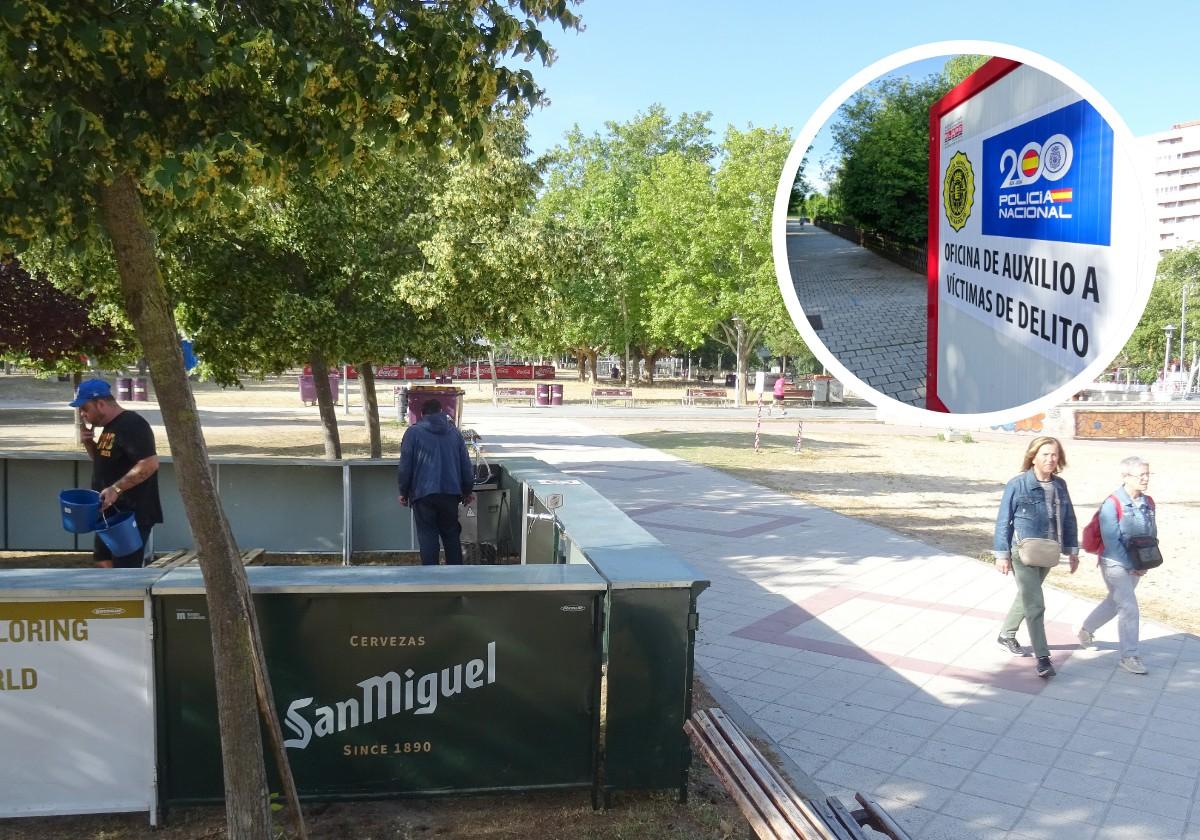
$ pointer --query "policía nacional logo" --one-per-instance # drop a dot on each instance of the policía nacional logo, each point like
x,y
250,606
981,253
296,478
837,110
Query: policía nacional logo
x,y
958,190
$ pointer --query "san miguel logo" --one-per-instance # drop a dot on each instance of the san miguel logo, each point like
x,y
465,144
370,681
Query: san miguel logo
x,y
387,695
1051,178
958,190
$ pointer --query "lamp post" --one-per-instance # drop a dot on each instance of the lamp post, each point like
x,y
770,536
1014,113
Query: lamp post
x,y
1169,329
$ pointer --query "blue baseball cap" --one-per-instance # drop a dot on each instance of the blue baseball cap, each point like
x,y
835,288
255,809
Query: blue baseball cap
x,y
90,390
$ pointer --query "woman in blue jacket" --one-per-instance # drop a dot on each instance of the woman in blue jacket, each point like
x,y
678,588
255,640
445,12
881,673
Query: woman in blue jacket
x,y
1035,504
1120,576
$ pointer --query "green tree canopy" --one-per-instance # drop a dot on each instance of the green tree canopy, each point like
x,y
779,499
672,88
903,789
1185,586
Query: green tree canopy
x,y
882,137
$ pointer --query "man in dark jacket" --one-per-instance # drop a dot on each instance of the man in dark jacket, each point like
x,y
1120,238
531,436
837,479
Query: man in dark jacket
x,y
435,477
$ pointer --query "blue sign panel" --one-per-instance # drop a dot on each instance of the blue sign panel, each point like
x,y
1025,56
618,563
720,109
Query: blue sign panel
x,y
1051,178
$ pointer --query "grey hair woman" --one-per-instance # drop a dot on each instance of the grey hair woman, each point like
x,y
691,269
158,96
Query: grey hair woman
x,y
1128,512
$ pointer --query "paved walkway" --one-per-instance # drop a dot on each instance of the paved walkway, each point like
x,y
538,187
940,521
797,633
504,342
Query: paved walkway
x,y
870,658
868,312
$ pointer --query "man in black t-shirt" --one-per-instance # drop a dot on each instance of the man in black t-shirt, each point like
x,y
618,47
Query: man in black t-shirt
x,y
124,467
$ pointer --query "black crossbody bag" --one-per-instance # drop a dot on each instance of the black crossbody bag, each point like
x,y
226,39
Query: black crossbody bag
x,y
1143,551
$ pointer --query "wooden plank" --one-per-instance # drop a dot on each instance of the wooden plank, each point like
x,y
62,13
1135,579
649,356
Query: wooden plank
x,y
848,822
187,558
771,802
881,820
166,559
253,556
725,772
794,807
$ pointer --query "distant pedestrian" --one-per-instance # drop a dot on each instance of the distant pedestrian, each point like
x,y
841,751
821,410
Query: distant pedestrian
x,y
1034,527
1134,518
124,468
436,476
777,390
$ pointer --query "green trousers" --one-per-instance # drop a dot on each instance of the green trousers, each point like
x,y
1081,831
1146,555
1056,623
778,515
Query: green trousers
x,y
1029,605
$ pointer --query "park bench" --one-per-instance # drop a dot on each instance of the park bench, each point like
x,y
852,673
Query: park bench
x,y
693,396
773,808
622,394
525,393
790,395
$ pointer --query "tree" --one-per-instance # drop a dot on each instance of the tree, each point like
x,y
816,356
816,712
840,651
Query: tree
x,y
1146,348
706,236
44,326
121,119
592,190
882,137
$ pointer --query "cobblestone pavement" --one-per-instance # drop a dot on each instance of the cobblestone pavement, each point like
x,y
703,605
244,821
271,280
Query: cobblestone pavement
x,y
870,658
871,311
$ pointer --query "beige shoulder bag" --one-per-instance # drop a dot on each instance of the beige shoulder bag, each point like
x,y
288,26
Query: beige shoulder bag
x,y
1040,552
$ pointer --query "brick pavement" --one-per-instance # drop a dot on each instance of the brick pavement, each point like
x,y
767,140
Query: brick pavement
x,y
870,659
871,311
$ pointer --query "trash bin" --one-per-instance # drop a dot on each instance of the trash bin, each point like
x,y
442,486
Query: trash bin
x,y
556,394
308,391
124,388
450,397
141,388
543,393
730,380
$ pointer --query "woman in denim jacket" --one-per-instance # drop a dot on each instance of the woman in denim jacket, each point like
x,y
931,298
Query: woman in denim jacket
x,y
1120,576
1035,504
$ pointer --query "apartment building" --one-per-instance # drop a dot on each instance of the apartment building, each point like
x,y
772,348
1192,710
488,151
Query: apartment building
x,y
1174,161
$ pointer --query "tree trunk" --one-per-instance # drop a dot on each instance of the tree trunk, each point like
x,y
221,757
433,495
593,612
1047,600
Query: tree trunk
x,y
495,383
581,363
366,380
740,352
593,356
76,378
242,684
329,426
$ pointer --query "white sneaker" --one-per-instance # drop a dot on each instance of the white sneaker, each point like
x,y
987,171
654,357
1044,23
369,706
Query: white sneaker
x,y
1085,637
1133,665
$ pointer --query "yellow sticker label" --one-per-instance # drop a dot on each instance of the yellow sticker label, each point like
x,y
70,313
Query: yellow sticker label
x,y
958,190
38,610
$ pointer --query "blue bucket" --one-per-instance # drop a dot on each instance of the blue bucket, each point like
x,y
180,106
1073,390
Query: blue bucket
x,y
80,510
120,533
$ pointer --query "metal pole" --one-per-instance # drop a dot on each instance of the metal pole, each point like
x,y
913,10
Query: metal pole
x,y
345,389
758,426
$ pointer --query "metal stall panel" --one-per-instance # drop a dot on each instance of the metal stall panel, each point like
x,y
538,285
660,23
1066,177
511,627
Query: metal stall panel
x,y
649,688
398,692
283,506
76,692
379,523
33,521
174,533
651,624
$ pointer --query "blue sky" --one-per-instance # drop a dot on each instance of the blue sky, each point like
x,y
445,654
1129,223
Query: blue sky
x,y
773,63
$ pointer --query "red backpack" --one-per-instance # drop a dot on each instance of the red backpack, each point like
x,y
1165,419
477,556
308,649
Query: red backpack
x,y
1090,540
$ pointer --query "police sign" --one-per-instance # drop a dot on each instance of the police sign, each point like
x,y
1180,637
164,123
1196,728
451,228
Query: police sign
x,y
1035,268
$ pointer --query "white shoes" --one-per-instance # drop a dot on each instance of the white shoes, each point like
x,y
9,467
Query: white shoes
x,y
1085,637
1133,664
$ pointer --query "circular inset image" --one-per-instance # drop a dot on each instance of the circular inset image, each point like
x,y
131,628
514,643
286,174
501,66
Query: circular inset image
x,y
972,241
